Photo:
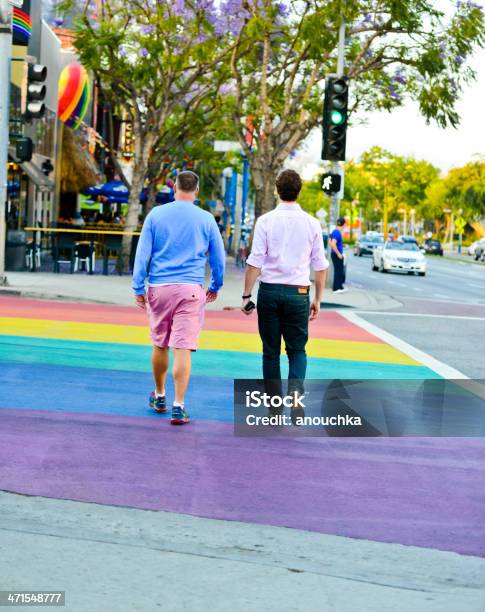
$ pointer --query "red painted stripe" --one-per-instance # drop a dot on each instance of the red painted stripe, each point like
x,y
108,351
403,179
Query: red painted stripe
x,y
330,324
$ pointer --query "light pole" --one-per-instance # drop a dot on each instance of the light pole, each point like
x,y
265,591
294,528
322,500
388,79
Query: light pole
x,y
5,60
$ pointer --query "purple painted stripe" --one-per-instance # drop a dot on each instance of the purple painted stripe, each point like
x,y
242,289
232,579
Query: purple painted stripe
x,y
423,492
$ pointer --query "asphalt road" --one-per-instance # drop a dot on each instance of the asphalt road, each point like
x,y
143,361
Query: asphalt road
x,y
445,280
442,313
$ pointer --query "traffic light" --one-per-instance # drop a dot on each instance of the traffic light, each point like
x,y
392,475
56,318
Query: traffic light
x,y
35,91
335,118
24,148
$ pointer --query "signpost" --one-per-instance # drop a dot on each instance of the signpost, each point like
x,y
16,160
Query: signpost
x,y
460,227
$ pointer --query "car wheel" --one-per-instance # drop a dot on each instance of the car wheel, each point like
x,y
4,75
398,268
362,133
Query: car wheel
x,y
382,269
360,253
411,273
374,267
421,273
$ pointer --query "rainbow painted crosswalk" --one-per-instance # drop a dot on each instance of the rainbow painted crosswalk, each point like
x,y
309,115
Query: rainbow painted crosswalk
x,y
74,424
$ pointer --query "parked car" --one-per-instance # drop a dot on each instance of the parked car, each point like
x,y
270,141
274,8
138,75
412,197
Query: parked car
x,y
365,245
433,247
480,252
474,245
399,256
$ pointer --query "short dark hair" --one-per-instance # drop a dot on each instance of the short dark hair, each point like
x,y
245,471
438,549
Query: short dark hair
x,y
187,181
288,185
340,221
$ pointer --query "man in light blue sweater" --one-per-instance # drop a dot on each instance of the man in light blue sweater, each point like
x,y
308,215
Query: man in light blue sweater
x,y
175,243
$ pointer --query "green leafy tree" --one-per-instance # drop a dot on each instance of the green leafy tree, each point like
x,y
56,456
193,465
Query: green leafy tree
x,y
384,182
283,50
461,189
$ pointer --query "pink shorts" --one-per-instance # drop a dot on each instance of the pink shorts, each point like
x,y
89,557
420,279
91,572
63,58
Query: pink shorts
x,y
176,315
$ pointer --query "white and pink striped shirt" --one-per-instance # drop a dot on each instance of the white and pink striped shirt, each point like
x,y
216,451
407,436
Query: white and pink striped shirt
x,y
287,241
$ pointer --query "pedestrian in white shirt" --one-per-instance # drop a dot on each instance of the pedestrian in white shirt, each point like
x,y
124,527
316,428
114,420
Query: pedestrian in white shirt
x,y
287,241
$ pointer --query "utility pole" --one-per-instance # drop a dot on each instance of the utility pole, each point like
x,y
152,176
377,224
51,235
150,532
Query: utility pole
x,y
5,60
336,168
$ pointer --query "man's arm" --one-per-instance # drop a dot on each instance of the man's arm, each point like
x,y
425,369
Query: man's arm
x,y
255,261
320,264
142,258
217,261
320,277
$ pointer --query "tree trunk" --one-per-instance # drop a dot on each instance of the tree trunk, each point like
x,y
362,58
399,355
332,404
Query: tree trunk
x,y
131,223
152,198
264,179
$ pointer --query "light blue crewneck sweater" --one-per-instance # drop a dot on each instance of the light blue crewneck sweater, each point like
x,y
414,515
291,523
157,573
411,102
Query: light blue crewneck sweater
x,y
175,243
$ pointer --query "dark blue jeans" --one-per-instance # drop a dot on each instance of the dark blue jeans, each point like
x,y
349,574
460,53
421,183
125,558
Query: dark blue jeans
x,y
283,312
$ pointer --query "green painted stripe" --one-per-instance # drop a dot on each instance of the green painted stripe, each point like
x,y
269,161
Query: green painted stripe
x,y
227,364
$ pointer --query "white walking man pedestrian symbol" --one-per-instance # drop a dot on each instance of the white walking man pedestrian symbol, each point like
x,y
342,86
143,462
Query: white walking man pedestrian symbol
x,y
327,183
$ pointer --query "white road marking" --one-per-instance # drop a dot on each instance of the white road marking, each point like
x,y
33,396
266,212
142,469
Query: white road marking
x,y
442,369
419,314
476,285
442,296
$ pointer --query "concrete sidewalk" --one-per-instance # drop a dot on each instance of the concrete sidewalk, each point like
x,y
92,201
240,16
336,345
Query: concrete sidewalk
x,y
109,558
117,290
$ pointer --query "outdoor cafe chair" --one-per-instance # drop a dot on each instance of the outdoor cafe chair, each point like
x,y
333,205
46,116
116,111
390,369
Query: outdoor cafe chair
x,y
30,253
85,254
112,246
64,251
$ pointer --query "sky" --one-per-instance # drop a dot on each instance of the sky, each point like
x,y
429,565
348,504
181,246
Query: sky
x,y
405,132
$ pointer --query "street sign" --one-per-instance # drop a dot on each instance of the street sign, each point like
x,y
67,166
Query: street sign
x,y
321,214
17,3
331,183
459,225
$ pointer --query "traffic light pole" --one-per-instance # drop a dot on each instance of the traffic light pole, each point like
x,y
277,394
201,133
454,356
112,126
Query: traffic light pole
x,y
336,168
5,58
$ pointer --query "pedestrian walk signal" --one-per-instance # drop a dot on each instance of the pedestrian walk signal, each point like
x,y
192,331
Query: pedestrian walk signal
x,y
331,183
334,124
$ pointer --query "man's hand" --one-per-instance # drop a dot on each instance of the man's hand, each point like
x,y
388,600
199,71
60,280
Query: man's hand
x,y
244,302
210,296
140,301
314,309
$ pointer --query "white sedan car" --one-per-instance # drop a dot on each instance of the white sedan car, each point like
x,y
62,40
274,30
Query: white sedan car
x,y
399,257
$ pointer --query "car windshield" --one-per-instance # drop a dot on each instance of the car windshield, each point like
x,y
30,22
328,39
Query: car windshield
x,y
434,243
365,239
377,239
402,246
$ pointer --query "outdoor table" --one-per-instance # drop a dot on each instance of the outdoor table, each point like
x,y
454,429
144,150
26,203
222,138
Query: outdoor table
x,y
77,230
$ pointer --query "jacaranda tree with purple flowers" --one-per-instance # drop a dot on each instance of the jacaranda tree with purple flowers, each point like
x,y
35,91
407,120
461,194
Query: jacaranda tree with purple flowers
x,y
158,62
282,51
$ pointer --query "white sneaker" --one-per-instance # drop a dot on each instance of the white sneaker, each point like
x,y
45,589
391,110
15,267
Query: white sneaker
x,y
341,291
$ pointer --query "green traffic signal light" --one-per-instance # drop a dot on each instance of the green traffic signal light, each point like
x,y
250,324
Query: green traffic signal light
x,y
336,117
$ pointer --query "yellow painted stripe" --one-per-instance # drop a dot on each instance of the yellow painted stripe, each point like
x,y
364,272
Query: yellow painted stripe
x,y
211,340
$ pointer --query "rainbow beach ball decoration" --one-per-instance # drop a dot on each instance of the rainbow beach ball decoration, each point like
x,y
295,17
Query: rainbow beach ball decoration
x,y
74,95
